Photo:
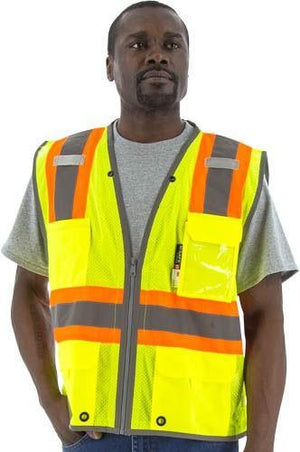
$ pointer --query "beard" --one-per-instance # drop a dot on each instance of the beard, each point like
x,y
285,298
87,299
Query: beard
x,y
157,101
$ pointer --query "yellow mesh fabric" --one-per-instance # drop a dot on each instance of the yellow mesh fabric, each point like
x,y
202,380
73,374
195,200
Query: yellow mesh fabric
x,y
238,406
106,258
251,182
41,179
142,398
106,389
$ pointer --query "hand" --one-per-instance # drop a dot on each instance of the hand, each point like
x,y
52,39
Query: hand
x,y
95,435
58,412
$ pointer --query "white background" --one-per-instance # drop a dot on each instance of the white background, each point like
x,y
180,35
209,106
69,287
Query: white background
x,y
243,83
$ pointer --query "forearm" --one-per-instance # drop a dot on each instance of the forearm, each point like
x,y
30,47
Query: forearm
x,y
31,321
265,372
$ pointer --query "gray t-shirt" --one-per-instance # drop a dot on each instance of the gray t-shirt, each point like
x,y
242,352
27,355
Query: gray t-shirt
x,y
264,248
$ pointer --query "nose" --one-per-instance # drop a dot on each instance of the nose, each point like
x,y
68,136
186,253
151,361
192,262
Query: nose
x,y
157,58
156,55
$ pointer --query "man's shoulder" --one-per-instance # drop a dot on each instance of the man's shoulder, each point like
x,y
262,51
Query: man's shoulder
x,y
238,153
82,134
72,140
224,140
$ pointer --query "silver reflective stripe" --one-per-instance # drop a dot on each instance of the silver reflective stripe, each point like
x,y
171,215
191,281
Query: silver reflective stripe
x,y
219,179
221,162
67,174
68,159
173,320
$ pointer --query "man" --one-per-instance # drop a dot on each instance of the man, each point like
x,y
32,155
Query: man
x,y
191,398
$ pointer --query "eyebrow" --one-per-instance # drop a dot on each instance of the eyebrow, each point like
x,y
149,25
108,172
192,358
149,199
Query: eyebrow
x,y
167,34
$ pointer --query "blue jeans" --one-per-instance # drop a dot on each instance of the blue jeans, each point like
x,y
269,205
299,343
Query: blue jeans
x,y
148,443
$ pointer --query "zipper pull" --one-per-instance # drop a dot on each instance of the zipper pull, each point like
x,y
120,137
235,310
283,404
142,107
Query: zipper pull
x,y
133,266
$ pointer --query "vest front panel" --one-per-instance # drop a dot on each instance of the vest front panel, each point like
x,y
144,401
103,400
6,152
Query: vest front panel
x,y
138,355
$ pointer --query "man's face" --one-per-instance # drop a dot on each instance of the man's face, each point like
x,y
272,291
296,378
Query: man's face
x,y
150,39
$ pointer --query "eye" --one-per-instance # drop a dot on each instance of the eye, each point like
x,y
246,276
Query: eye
x,y
173,42
136,42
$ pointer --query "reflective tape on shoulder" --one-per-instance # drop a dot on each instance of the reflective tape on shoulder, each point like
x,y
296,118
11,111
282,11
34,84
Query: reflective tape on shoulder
x,y
221,162
68,170
219,177
71,159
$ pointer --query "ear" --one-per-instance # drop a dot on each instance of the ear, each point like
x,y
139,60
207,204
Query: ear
x,y
109,68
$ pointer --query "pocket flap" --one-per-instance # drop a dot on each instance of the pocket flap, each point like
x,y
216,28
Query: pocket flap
x,y
204,227
69,224
175,362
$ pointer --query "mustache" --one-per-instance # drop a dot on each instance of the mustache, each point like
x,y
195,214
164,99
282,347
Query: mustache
x,y
156,67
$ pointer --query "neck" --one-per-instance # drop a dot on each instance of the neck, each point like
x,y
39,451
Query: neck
x,y
145,128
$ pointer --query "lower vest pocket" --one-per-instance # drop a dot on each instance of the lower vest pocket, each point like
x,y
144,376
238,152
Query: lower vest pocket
x,y
89,371
68,250
195,391
209,257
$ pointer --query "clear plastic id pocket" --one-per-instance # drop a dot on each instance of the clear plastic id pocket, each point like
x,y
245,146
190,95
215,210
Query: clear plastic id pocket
x,y
209,257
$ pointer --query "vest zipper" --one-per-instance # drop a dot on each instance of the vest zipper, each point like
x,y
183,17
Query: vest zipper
x,y
135,268
133,265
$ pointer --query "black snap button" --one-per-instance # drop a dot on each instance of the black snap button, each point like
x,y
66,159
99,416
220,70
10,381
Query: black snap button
x,y
161,420
110,173
172,178
84,416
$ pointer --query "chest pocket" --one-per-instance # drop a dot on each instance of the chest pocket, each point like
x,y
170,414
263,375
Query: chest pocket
x,y
209,257
68,251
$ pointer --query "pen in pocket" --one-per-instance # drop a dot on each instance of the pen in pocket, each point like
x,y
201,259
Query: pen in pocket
x,y
176,266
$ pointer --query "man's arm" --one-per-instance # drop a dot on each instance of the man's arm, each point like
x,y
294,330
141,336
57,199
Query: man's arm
x,y
265,360
31,321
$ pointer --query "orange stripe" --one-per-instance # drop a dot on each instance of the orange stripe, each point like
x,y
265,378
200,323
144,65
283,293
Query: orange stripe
x,y
238,181
86,293
172,300
147,297
157,337
83,175
51,174
200,173
89,333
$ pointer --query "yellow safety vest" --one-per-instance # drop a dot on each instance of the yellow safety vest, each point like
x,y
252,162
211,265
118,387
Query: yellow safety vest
x,y
149,345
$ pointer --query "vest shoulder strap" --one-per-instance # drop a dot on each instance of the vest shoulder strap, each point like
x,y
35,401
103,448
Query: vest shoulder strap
x,y
228,177
256,163
61,173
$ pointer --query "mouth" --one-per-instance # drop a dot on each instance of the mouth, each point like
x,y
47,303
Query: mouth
x,y
157,75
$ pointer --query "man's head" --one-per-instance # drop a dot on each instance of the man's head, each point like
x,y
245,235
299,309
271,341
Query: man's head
x,y
148,36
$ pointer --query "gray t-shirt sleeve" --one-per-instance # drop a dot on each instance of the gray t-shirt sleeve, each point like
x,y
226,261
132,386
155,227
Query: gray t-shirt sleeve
x,y
264,248
25,244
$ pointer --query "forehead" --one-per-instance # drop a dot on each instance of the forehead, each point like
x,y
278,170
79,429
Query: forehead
x,y
150,20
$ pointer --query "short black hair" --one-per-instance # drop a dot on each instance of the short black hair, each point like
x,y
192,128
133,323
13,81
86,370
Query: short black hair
x,y
112,33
